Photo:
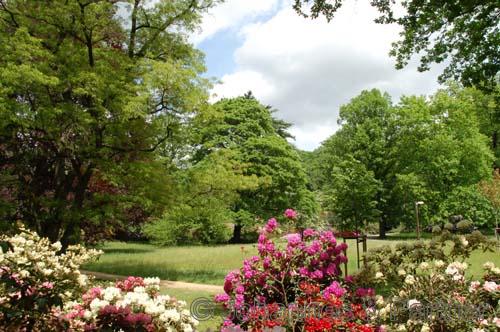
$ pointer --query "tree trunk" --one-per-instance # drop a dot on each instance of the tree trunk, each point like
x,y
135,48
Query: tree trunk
x,y
236,234
382,229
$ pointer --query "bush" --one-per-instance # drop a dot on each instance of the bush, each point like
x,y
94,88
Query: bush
x,y
449,227
465,226
404,258
437,297
471,204
436,229
187,225
36,277
130,305
273,289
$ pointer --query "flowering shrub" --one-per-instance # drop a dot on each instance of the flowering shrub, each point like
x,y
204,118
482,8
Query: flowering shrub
x,y
437,297
130,305
388,263
294,286
36,277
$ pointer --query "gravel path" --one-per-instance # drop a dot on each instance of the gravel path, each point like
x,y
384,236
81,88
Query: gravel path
x,y
164,283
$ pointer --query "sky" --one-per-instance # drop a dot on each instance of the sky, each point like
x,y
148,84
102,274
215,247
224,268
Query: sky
x,y
304,68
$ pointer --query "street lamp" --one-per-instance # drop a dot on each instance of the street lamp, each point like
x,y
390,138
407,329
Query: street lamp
x,y
417,204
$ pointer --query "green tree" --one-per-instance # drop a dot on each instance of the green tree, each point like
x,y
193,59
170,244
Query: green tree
x,y
202,212
463,33
364,138
352,194
247,127
486,108
86,96
420,149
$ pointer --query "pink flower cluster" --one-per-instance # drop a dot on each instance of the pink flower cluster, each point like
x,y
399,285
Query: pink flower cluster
x,y
309,263
290,214
335,289
130,283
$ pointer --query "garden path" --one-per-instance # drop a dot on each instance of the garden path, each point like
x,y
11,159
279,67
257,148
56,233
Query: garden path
x,y
163,283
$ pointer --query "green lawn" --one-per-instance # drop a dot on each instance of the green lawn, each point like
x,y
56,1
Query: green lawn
x,y
208,264
189,296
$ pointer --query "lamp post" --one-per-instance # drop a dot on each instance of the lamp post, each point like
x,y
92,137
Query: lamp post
x,y
417,204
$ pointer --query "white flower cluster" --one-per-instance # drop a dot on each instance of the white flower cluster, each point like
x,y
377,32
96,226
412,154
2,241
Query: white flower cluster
x,y
491,268
38,262
167,313
456,270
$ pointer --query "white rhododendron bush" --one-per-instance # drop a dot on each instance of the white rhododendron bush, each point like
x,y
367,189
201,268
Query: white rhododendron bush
x,y
130,305
36,277
438,297
42,289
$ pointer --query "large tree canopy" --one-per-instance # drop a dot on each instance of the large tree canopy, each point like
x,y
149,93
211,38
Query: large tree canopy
x,y
386,157
465,34
246,126
87,97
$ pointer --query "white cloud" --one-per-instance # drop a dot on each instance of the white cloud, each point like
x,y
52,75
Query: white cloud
x,y
309,136
231,13
308,68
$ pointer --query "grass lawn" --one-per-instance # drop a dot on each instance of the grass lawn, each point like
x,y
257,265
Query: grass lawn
x,y
210,264
189,296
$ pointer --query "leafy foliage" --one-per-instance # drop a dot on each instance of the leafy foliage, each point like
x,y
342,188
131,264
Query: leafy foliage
x,y
471,204
386,157
463,33
87,98
202,213
247,128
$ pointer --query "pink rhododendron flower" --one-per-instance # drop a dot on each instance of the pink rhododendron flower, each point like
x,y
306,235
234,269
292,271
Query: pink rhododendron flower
x,y
130,283
290,214
266,263
239,301
308,232
48,285
365,292
317,274
491,286
334,289
91,294
293,239
221,298
303,271
314,248
240,289
332,270
271,225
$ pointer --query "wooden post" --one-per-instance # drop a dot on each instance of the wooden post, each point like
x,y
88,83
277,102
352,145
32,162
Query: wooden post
x,y
357,249
345,264
365,245
418,222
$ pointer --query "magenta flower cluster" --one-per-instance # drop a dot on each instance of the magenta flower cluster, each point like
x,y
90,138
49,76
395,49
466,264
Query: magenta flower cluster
x,y
308,262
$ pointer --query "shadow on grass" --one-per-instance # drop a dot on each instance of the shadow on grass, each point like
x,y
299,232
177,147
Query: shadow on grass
x,y
407,236
127,250
163,272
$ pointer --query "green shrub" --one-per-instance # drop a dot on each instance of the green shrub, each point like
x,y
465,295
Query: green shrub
x,y
471,204
436,229
188,225
449,227
465,226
